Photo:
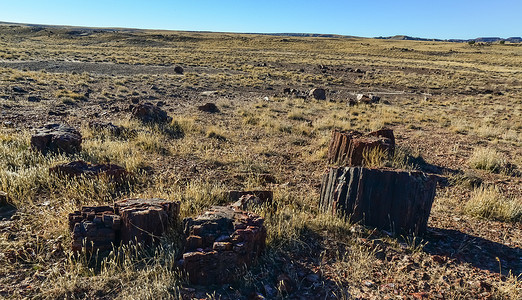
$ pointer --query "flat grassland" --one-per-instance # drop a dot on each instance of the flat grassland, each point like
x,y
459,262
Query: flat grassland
x,y
455,108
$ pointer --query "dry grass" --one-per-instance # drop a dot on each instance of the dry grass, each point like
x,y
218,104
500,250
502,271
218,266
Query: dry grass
x,y
488,202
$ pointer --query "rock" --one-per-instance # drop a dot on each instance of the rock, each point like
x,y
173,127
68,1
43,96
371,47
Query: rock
x,y
34,99
143,221
56,138
219,243
367,99
4,199
149,113
208,93
247,202
178,70
208,107
19,90
107,126
264,196
82,168
318,94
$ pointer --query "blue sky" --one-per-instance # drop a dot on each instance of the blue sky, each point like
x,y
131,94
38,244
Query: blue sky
x,y
420,18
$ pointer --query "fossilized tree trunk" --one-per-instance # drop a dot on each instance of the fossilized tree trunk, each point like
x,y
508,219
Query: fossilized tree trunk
x,y
399,201
347,148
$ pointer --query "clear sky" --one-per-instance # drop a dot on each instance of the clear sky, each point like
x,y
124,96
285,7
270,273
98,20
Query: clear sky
x,y
420,18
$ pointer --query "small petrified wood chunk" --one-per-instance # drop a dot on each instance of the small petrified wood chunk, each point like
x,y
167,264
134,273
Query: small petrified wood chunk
x,y
220,243
399,201
56,138
145,220
82,168
150,113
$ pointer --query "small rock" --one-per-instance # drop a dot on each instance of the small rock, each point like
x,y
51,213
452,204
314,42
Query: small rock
x,y
34,99
313,278
208,107
318,94
19,90
178,70
149,113
82,168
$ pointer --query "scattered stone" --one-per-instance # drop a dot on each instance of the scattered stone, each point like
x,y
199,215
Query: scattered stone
x,y
34,99
82,168
209,107
128,221
208,93
367,99
56,138
318,94
349,147
264,196
19,90
178,70
149,113
107,126
219,243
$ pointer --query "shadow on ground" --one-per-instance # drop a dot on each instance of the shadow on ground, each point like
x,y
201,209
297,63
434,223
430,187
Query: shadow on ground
x,y
477,251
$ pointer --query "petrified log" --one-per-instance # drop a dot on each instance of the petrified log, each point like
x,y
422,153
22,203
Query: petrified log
x,y
130,220
145,220
150,113
56,138
348,147
95,227
399,201
220,243
82,168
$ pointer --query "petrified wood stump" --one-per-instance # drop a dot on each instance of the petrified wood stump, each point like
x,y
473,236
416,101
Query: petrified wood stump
x,y
220,243
348,147
399,201
145,220
130,220
95,227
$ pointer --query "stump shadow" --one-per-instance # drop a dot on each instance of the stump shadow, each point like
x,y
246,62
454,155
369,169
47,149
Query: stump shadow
x,y
479,252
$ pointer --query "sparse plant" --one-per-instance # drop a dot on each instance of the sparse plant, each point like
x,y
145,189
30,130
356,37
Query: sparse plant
x,y
487,202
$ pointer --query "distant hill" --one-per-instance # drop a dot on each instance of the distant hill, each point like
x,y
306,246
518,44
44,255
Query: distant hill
x,y
480,39
395,37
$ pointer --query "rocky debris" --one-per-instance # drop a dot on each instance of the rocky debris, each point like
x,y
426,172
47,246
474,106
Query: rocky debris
x,y
295,92
367,99
56,138
317,94
349,147
394,200
145,220
219,243
150,113
178,70
82,168
107,126
209,107
209,93
264,196
128,221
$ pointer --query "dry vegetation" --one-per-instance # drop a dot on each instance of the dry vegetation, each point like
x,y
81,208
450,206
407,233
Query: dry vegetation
x,y
456,110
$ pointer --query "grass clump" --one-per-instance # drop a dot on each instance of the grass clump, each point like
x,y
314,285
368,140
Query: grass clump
x,y
490,160
488,203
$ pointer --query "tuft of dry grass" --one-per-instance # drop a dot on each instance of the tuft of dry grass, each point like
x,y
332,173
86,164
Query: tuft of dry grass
x,y
488,202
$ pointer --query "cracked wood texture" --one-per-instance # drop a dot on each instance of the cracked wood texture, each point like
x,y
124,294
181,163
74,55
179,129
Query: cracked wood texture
x,y
394,200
